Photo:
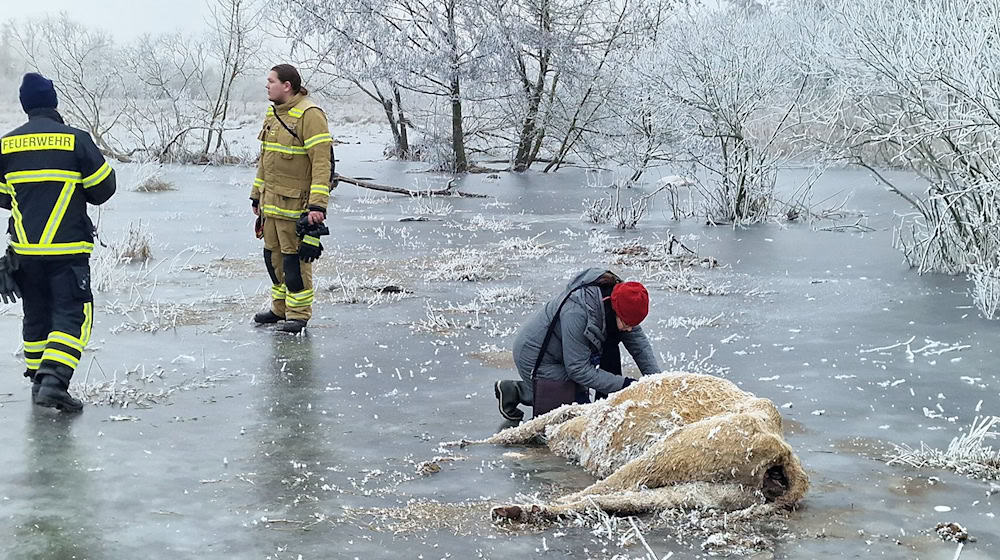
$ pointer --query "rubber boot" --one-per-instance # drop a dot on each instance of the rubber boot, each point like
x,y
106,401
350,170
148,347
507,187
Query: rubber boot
x,y
266,317
53,393
508,397
293,326
35,381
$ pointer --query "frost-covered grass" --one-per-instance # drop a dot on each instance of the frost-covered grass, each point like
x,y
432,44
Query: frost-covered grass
x,y
479,222
690,324
430,207
135,245
155,184
525,248
366,289
683,279
465,265
135,387
967,453
986,289
514,295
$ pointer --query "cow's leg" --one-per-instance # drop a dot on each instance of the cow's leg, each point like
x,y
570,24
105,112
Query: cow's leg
x,y
691,495
533,430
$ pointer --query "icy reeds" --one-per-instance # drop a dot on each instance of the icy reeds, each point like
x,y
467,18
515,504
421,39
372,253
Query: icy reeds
x,y
367,290
986,289
965,455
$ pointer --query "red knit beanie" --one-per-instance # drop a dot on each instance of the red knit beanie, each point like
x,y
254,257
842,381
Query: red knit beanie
x,y
630,302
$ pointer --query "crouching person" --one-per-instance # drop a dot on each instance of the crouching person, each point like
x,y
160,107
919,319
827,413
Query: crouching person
x,y
572,345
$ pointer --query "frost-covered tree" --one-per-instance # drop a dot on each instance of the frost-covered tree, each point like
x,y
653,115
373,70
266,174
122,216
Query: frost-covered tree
x,y
233,44
919,85
344,46
425,48
86,67
164,73
736,87
610,34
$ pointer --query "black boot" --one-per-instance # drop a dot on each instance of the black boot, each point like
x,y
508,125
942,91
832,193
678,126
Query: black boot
x,y
52,393
293,326
35,381
508,398
267,317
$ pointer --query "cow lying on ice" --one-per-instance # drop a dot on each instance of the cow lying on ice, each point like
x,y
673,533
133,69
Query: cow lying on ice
x,y
671,440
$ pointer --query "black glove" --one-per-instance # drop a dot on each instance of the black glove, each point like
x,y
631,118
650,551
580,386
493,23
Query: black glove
x,y
302,225
9,292
310,248
629,381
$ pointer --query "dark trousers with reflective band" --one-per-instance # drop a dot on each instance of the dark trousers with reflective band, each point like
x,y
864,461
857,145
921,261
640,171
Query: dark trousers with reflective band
x,y
291,279
58,313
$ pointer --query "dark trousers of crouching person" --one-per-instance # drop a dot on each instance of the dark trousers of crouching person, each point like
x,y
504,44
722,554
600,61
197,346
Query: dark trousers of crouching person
x,y
577,334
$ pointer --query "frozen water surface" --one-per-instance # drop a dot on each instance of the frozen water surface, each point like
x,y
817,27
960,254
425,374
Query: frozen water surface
x,y
238,442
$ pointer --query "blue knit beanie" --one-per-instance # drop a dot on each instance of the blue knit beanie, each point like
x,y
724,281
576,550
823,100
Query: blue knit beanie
x,y
37,91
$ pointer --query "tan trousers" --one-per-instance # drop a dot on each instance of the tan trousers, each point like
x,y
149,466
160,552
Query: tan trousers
x,y
292,289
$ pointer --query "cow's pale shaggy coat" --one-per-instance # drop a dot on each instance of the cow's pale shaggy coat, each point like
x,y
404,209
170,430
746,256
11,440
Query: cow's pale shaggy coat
x,y
673,439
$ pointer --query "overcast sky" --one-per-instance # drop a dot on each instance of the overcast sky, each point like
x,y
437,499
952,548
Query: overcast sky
x,y
124,19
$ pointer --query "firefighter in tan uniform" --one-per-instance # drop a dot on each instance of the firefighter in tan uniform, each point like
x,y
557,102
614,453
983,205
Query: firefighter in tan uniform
x,y
292,184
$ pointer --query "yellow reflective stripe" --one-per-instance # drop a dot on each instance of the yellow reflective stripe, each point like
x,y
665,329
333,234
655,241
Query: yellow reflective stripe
x,y
39,175
6,189
278,292
258,182
88,323
296,112
318,139
34,345
58,212
310,240
33,363
34,142
281,148
270,111
54,355
52,248
319,189
66,340
275,211
15,212
300,299
97,176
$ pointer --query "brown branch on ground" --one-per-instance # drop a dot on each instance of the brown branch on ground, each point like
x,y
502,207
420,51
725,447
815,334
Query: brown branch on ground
x,y
449,189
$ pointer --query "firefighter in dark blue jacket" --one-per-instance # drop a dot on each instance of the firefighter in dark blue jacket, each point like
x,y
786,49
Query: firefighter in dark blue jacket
x,y
49,172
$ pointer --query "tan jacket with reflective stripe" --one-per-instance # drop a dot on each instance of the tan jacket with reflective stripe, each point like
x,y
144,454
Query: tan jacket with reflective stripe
x,y
293,174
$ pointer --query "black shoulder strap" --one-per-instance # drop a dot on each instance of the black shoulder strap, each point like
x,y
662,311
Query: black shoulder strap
x,y
552,327
290,131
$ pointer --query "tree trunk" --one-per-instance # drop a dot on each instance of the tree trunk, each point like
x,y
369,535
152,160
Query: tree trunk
x,y
403,142
390,114
455,89
529,131
457,131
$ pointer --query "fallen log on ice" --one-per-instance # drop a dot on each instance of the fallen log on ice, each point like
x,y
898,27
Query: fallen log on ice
x,y
449,189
